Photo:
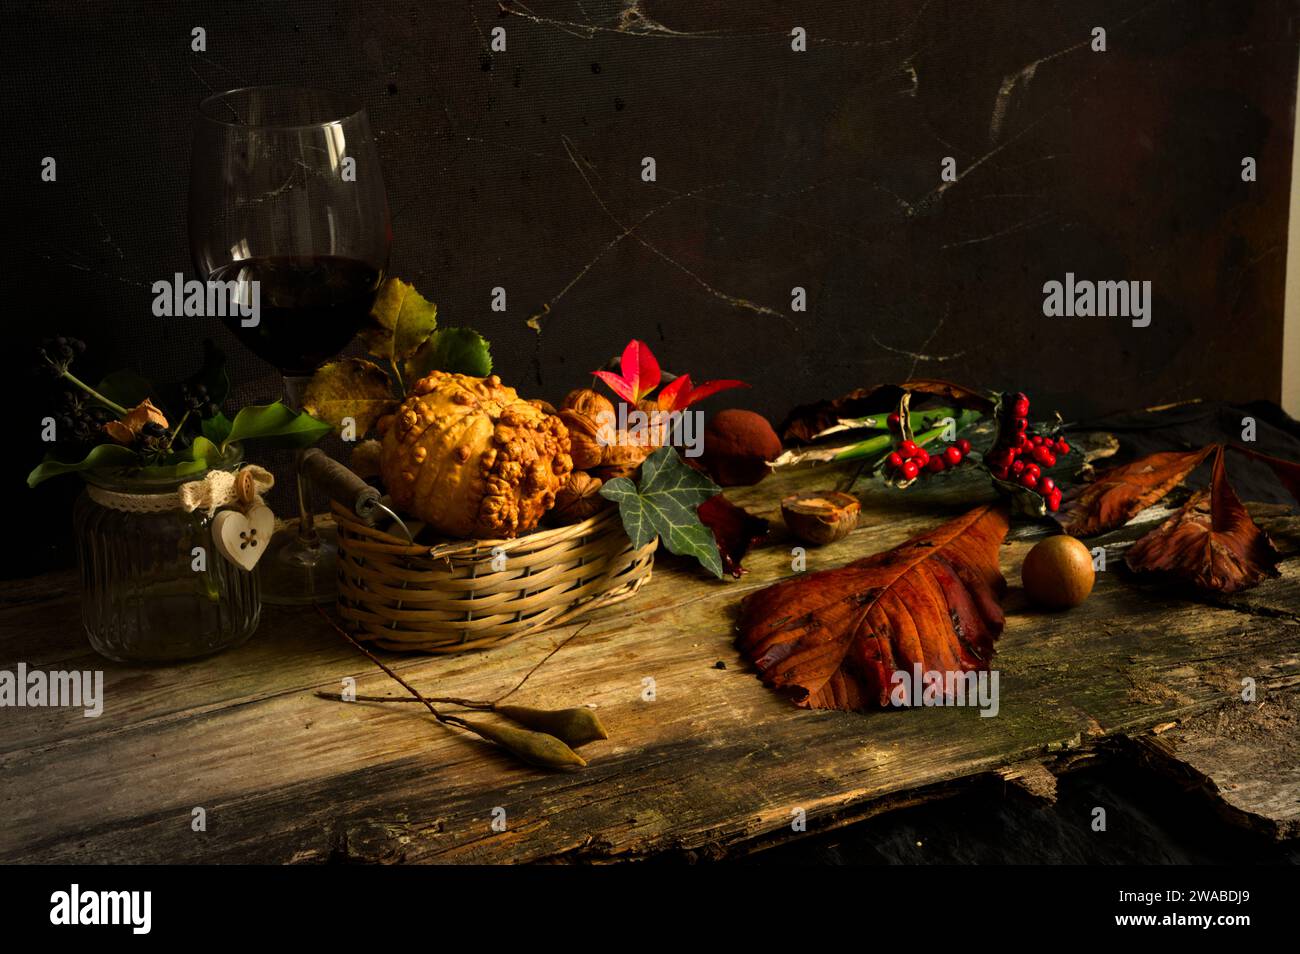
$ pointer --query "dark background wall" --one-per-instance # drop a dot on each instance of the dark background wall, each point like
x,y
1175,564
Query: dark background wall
x,y
775,169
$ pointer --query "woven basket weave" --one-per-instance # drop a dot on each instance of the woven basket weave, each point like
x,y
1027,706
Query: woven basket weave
x,y
448,599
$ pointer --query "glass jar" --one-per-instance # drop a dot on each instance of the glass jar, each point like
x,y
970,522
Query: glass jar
x,y
147,595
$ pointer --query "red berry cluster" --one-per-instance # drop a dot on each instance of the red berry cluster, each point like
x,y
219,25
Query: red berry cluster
x,y
1020,456
908,460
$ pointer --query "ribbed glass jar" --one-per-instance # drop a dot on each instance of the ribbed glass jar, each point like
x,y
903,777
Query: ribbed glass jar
x,y
142,600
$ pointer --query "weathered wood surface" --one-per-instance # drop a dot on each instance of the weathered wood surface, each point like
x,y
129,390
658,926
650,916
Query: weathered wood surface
x,y
714,764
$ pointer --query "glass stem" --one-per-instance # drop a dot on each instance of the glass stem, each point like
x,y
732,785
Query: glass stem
x,y
308,539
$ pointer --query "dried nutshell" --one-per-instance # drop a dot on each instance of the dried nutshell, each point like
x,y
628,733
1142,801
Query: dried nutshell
x,y
819,517
578,499
588,417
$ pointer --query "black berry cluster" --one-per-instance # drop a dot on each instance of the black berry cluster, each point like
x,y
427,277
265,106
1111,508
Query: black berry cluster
x,y
78,420
55,354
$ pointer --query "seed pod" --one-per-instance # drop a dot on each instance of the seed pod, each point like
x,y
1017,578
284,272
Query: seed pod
x,y
574,726
535,748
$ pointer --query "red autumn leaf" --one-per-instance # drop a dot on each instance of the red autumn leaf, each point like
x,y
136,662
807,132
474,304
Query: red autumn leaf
x,y
834,639
1119,494
1212,541
638,373
734,528
679,394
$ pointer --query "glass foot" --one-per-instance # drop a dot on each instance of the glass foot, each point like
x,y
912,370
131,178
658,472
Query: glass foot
x,y
294,575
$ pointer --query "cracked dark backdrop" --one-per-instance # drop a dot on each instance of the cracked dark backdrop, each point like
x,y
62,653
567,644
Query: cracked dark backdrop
x,y
775,169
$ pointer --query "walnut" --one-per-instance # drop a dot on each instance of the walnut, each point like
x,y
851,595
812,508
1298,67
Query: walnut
x,y
471,458
578,499
590,421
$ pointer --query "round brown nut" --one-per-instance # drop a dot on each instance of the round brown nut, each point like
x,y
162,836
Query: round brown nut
x,y
1058,572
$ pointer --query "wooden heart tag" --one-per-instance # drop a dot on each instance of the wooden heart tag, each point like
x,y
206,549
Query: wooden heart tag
x,y
242,539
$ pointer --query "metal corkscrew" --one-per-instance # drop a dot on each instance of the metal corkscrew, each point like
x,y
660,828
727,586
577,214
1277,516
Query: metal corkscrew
x,y
349,490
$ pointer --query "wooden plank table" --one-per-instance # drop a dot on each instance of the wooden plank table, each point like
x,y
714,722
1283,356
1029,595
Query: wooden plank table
x,y
714,764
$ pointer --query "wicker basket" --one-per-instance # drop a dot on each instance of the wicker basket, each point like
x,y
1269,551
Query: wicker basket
x,y
448,599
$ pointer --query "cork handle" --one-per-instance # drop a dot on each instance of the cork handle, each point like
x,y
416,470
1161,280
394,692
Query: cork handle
x,y
339,483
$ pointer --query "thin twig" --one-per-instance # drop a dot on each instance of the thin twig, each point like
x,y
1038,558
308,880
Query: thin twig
x,y
558,646
447,700
445,719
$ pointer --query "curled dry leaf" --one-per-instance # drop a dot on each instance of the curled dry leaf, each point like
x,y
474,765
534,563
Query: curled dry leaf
x,y
805,422
1212,541
834,639
734,528
1119,494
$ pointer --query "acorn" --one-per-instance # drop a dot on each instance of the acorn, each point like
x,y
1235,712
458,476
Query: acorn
x,y
819,517
1058,573
738,445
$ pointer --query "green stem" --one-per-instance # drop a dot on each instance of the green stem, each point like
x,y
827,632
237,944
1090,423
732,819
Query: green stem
x,y
111,405
172,439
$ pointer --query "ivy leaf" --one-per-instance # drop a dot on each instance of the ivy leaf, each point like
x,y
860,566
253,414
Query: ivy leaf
x,y
277,424
352,387
100,456
665,504
401,320
835,639
458,350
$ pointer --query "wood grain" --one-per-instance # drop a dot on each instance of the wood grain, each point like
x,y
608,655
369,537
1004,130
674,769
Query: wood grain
x,y
715,764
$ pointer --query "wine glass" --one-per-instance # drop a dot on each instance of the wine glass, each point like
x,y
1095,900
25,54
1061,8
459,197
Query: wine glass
x,y
287,203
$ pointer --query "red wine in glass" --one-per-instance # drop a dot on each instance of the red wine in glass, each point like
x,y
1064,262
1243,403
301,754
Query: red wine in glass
x,y
286,191
310,307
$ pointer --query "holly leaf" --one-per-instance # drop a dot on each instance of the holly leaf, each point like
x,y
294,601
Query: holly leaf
x,y
349,388
835,639
457,350
101,456
276,424
664,504
1119,494
1212,541
735,530
401,320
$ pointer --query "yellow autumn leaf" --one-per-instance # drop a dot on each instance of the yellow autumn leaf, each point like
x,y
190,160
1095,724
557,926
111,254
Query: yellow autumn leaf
x,y
400,322
350,388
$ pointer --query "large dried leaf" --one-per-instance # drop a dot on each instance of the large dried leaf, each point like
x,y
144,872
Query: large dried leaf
x,y
1211,542
808,420
1119,494
834,639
